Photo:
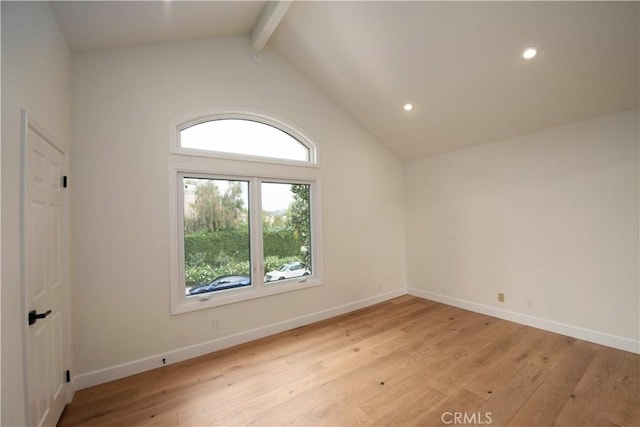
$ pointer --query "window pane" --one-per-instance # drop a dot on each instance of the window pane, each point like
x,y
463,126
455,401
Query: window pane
x,y
216,235
243,137
286,231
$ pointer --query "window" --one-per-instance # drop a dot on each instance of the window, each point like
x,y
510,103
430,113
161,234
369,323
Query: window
x,y
245,137
286,231
216,235
241,231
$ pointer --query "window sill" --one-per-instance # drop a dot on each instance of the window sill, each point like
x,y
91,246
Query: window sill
x,y
187,305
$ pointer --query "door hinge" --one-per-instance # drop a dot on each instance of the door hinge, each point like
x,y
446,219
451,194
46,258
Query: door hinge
x,y
68,373
64,181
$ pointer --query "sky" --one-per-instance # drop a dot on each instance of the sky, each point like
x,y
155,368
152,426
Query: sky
x,y
275,196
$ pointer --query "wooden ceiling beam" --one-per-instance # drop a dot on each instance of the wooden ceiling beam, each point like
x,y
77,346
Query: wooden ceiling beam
x,y
271,16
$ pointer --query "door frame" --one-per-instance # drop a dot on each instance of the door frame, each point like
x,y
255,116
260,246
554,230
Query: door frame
x,y
28,123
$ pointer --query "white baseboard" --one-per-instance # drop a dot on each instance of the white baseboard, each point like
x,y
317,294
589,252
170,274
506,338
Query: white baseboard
x,y
536,322
111,373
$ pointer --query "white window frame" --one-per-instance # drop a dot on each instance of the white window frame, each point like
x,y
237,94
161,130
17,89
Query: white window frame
x,y
244,168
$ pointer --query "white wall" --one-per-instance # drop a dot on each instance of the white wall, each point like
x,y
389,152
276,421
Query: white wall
x,y
551,215
36,70
123,103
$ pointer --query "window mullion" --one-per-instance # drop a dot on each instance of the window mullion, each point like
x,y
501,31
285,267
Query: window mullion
x,y
255,232
180,238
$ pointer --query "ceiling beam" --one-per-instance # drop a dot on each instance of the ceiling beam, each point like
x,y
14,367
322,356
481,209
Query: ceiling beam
x,y
271,16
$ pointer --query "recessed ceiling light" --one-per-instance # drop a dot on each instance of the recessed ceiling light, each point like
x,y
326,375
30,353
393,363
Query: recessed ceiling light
x,y
408,107
529,53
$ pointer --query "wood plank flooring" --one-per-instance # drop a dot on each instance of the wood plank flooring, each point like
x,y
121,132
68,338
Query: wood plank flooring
x,y
405,362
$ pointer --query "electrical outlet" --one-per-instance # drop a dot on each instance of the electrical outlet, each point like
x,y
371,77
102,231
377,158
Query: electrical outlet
x,y
500,297
215,323
529,301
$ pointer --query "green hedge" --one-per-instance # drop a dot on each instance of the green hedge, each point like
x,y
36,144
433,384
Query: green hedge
x,y
198,274
212,254
234,245
208,248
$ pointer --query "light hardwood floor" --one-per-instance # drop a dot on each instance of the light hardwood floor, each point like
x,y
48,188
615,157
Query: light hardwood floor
x,y
407,362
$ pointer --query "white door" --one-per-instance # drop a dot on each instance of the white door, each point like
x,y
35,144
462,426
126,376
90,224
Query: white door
x,y
44,275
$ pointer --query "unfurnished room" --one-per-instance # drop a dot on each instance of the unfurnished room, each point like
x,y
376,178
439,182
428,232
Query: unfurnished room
x,y
309,213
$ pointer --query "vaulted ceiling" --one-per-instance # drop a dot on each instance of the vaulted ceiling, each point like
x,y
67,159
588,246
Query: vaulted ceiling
x,y
459,63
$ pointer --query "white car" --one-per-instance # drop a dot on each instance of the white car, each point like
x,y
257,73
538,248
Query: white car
x,y
287,271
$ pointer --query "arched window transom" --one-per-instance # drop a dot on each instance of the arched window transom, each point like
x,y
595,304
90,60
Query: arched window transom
x,y
244,137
